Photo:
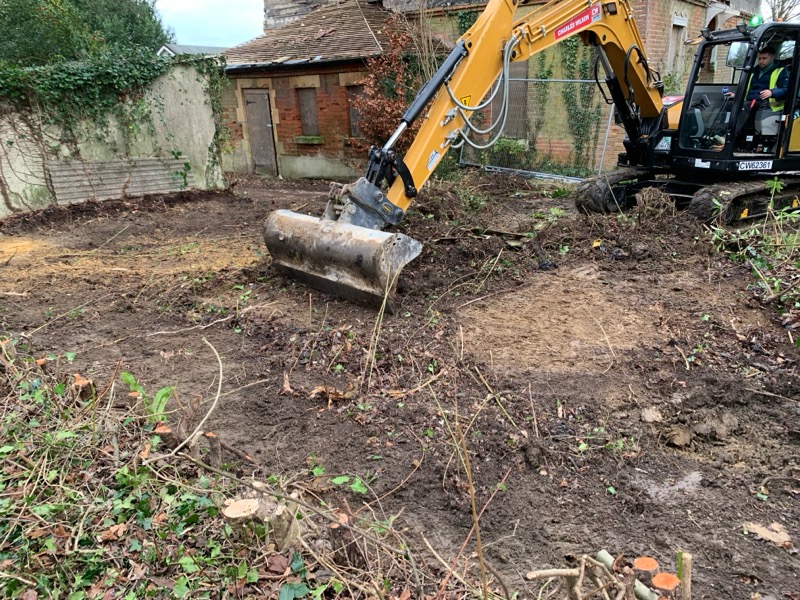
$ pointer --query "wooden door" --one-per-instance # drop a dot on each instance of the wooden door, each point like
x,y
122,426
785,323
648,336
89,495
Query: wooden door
x,y
259,128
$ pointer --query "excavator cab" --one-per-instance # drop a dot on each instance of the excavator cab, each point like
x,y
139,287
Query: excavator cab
x,y
725,128
719,144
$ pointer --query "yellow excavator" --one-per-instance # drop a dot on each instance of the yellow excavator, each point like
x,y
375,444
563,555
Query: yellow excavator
x,y
712,149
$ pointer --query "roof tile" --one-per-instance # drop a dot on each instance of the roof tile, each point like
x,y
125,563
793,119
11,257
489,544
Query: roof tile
x,y
348,29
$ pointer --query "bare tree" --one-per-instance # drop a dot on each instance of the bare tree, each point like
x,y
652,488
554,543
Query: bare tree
x,y
782,10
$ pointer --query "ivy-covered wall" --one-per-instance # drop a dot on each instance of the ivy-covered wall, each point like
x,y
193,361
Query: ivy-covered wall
x,y
161,137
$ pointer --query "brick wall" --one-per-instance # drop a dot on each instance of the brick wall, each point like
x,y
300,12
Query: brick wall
x,y
655,20
333,110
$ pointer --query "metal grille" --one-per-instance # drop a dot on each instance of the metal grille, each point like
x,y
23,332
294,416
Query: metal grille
x,y
555,127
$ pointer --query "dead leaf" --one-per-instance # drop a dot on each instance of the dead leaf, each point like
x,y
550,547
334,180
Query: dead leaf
x,y
404,595
35,534
145,452
320,390
331,393
29,595
286,389
113,533
96,589
775,533
41,361
60,532
137,571
278,563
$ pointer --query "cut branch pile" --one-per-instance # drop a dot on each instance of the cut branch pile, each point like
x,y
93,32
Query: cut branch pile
x,y
605,577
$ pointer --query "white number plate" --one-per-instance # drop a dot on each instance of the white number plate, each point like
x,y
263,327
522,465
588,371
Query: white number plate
x,y
755,165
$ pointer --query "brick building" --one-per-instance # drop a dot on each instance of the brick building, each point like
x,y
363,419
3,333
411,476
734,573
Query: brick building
x,y
665,24
290,104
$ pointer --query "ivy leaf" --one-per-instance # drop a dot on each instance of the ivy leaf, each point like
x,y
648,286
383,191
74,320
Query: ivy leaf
x,y
340,480
290,591
358,487
298,566
181,587
188,564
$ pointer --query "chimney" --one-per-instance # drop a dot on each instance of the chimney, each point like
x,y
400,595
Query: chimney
x,y
278,13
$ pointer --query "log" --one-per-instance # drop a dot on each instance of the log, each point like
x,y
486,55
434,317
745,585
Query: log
x,y
169,439
641,591
242,511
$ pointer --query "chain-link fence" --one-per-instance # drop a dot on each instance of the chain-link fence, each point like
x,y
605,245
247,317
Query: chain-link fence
x,y
561,127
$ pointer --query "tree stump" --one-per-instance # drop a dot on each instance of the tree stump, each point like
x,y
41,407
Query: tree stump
x,y
259,518
646,568
668,585
346,551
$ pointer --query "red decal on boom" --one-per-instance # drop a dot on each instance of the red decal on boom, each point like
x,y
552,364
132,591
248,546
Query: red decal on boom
x,y
578,22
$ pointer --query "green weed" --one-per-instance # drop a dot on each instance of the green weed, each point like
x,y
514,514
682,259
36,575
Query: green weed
x,y
154,407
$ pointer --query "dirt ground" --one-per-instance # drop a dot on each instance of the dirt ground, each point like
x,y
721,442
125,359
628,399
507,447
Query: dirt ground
x,y
618,384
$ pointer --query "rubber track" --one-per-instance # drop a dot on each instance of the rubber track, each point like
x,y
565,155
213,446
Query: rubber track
x,y
735,195
590,194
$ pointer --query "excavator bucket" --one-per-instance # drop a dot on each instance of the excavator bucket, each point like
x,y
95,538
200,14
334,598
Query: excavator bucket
x,y
357,263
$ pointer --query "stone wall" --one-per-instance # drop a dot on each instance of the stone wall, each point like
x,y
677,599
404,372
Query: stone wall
x,y
170,146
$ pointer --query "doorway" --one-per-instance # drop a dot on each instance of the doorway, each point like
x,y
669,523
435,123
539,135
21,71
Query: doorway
x,y
259,128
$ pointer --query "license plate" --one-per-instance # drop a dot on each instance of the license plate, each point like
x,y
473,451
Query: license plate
x,y
755,165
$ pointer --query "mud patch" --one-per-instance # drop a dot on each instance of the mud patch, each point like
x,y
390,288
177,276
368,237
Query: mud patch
x,y
569,320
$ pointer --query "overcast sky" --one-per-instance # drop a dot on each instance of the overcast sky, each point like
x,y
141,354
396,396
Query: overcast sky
x,y
212,22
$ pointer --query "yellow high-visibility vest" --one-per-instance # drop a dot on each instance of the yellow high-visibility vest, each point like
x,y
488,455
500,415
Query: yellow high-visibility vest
x,y
775,105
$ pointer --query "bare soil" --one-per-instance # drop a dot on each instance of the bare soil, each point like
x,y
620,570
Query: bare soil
x,y
619,378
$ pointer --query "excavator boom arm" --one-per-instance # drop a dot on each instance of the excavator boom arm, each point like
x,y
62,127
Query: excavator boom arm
x,y
481,55
345,252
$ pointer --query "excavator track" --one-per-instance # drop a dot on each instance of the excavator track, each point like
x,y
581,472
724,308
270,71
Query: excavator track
x,y
735,201
608,193
727,202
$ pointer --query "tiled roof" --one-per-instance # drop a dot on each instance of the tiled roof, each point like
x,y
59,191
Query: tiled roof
x,y
405,6
176,49
343,30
